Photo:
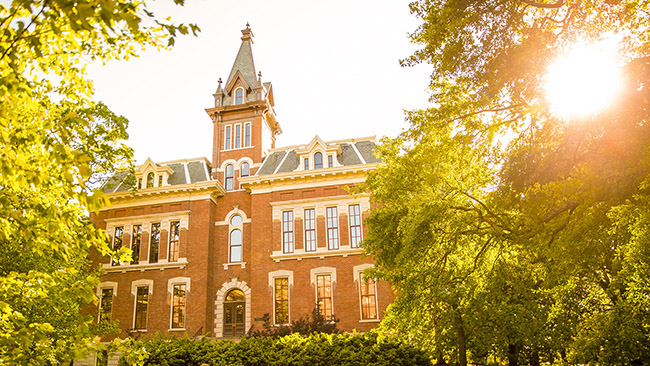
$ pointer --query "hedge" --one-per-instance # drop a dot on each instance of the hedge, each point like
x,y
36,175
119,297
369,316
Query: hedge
x,y
318,349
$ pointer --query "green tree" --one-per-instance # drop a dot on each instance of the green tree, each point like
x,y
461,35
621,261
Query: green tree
x,y
56,143
513,234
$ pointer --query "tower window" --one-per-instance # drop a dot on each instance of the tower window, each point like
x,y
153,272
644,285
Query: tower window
x,y
247,135
239,96
237,136
228,141
244,171
318,161
230,177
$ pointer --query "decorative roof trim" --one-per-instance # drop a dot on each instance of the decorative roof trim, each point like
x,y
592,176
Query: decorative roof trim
x,y
255,180
238,76
210,185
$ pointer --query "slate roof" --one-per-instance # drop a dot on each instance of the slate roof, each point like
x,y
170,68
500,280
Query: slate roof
x,y
284,161
198,170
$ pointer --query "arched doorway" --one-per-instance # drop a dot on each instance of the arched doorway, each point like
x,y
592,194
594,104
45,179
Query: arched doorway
x,y
234,309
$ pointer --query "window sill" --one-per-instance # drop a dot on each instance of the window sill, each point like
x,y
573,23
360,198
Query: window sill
x,y
144,266
321,253
176,330
237,148
226,265
370,321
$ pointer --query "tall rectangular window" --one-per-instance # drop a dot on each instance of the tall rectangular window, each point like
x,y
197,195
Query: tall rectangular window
x,y
332,228
141,304
330,161
247,135
154,243
178,306
368,298
237,136
306,163
228,138
174,234
281,295
136,241
117,242
310,230
355,225
324,295
106,304
287,231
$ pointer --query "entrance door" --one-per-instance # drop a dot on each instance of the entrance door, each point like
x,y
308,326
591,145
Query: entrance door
x,y
233,314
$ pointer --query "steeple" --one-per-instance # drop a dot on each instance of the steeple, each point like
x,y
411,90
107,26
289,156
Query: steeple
x,y
244,61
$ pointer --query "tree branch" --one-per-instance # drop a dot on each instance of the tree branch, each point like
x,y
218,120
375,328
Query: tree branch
x,y
556,5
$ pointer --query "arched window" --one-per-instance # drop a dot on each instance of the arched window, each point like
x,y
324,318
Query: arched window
x,y
239,96
235,246
244,170
318,161
236,239
150,180
230,177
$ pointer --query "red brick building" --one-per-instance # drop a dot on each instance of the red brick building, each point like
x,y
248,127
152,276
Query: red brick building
x,y
257,229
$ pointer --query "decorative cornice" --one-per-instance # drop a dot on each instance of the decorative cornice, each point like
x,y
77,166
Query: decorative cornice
x,y
214,187
253,182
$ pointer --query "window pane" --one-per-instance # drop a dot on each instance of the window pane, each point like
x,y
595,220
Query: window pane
x,y
310,229
230,176
318,160
154,243
355,225
368,298
324,295
236,295
235,220
150,178
178,306
136,241
330,161
106,304
174,235
281,300
332,228
117,242
237,136
235,245
306,163
142,301
287,231
228,138
239,96
244,170
247,138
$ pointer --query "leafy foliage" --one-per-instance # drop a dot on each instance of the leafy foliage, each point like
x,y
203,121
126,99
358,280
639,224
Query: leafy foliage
x,y
513,234
306,325
56,144
318,349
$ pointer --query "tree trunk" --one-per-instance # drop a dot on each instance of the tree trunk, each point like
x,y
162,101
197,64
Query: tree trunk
x,y
513,355
462,342
534,358
440,358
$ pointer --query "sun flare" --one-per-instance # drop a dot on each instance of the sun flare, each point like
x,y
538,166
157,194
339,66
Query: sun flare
x,y
584,80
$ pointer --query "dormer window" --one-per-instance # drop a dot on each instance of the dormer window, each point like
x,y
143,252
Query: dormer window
x,y
306,163
150,178
318,160
239,96
330,161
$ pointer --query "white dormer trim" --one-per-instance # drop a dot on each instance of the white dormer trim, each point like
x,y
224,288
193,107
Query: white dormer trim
x,y
233,83
142,172
317,145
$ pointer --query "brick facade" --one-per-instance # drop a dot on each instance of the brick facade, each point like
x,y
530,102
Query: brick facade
x,y
193,285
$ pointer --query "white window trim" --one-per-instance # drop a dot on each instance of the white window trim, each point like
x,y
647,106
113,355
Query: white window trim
x,y
170,290
243,97
134,292
282,273
250,126
225,139
338,228
361,210
234,135
102,286
304,230
323,271
356,270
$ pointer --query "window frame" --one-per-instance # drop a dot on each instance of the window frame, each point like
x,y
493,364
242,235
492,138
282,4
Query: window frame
x,y
318,163
309,229
156,242
332,223
136,243
229,178
151,178
247,134
136,307
288,243
241,97
174,241
241,171
117,242
232,246
323,310
173,306
365,282
276,300
227,137
305,162
355,229
102,303
238,136
330,161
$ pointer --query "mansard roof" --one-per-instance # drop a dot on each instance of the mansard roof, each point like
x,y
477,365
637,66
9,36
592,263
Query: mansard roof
x,y
186,171
348,152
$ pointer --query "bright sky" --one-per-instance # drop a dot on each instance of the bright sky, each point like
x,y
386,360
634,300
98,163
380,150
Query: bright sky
x,y
334,66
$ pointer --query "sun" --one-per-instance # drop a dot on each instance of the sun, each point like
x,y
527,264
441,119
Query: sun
x,y
585,80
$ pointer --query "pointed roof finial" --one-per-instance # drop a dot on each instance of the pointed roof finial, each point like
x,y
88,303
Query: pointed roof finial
x,y
259,75
220,81
248,26
247,34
